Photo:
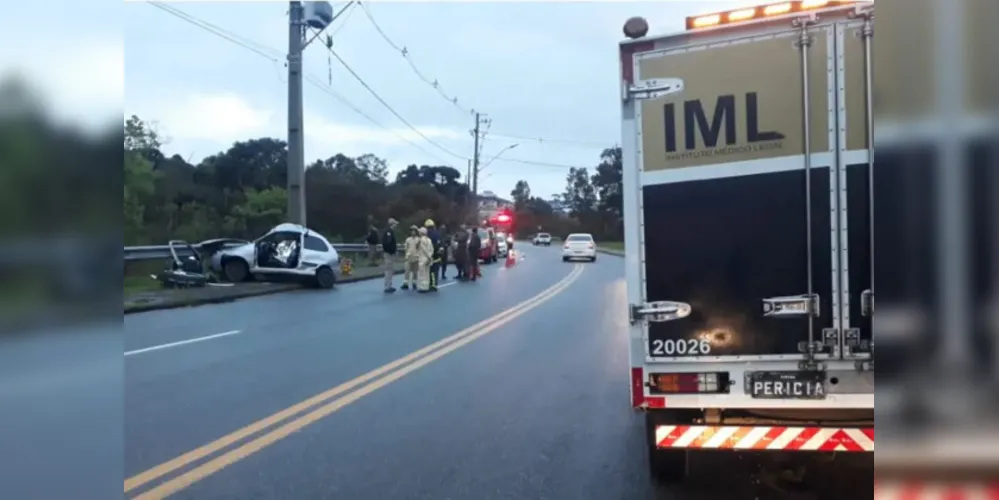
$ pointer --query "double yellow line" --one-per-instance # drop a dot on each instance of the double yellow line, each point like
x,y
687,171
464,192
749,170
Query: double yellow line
x,y
328,402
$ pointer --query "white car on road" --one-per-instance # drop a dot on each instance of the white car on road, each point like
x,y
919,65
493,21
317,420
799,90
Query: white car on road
x,y
579,246
501,248
543,239
288,252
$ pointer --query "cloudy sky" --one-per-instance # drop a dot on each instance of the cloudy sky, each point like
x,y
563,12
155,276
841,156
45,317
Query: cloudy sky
x,y
537,70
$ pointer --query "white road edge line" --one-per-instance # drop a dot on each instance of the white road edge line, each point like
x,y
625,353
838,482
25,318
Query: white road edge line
x,y
180,343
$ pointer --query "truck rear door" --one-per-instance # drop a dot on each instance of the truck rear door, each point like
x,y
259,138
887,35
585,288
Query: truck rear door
x,y
735,222
857,180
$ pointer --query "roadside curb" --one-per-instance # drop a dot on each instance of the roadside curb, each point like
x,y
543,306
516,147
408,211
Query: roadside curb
x,y
607,251
279,288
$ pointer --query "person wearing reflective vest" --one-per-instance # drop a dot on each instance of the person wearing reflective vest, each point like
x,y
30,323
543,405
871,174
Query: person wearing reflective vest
x,y
412,263
426,256
435,260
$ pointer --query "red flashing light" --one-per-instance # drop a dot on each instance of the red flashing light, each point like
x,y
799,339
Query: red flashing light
x,y
503,218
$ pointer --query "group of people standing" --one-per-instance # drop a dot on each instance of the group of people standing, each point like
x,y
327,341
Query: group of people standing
x,y
426,252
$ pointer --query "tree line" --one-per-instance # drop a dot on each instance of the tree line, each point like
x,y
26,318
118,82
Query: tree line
x,y
240,193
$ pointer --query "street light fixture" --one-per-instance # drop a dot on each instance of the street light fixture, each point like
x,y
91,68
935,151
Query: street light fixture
x,y
497,155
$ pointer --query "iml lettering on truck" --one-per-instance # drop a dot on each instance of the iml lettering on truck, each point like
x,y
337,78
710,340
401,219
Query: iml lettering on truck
x,y
723,120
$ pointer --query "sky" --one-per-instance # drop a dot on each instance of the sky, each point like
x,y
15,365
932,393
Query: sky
x,y
542,72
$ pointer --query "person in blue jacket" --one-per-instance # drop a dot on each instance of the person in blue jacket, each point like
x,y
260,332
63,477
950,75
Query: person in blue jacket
x,y
435,238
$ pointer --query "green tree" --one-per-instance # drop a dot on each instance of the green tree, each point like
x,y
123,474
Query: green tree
x,y
521,193
579,194
139,186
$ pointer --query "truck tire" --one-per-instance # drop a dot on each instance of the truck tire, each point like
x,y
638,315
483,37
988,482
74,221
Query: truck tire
x,y
665,466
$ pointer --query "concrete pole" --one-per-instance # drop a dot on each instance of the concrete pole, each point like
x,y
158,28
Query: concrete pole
x,y
475,157
296,140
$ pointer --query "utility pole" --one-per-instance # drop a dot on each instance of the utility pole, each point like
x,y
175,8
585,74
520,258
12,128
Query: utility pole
x,y
296,140
475,160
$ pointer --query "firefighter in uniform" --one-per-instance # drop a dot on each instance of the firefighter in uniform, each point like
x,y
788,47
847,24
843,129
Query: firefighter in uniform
x,y
412,259
426,255
435,260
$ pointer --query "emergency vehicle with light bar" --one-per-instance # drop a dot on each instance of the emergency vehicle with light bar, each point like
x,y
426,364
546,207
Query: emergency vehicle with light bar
x,y
747,210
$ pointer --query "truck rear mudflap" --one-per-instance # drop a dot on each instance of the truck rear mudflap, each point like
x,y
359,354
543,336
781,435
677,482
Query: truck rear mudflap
x,y
765,438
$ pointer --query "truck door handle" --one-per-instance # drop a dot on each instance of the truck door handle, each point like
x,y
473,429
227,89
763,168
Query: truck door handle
x,y
867,303
791,305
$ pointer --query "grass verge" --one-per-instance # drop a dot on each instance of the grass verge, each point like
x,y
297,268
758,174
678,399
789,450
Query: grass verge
x,y
145,294
611,247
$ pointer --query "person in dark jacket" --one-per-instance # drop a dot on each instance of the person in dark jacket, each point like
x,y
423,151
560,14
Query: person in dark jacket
x,y
474,246
389,248
461,252
445,250
372,241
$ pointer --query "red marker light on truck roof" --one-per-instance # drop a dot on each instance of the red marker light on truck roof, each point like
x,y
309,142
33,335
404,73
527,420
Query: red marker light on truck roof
x,y
777,9
503,218
762,11
741,15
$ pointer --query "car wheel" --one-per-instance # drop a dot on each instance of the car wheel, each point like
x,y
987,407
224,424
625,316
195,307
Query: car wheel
x,y
325,278
565,259
593,259
235,270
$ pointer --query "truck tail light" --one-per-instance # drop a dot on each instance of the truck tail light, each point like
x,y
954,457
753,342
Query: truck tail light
x,y
688,383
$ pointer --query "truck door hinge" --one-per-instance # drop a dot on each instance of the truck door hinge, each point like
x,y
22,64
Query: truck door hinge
x,y
792,305
867,303
659,311
853,344
653,88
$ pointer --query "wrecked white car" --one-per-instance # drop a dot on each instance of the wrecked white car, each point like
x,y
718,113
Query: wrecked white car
x,y
288,252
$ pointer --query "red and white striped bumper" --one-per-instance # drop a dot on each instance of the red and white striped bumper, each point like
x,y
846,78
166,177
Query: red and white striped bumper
x,y
897,490
765,438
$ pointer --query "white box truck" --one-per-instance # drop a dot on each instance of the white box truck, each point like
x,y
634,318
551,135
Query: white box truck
x,y
747,209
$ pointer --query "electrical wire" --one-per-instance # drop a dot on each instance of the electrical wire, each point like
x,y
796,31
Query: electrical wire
x,y
342,100
346,17
266,52
390,108
543,140
434,83
454,100
539,163
275,56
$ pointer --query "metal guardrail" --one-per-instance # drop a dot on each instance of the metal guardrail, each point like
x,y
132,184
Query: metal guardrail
x,y
162,252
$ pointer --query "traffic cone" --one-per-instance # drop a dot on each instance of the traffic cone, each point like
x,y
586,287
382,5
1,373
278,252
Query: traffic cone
x,y
511,258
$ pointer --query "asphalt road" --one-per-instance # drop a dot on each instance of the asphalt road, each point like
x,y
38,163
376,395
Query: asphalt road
x,y
537,407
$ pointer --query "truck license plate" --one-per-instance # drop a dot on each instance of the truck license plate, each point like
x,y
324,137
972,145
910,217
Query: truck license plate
x,y
787,385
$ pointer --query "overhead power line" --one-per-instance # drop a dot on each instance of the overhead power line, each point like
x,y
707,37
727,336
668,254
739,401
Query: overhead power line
x,y
346,17
404,52
269,53
544,140
275,56
390,108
